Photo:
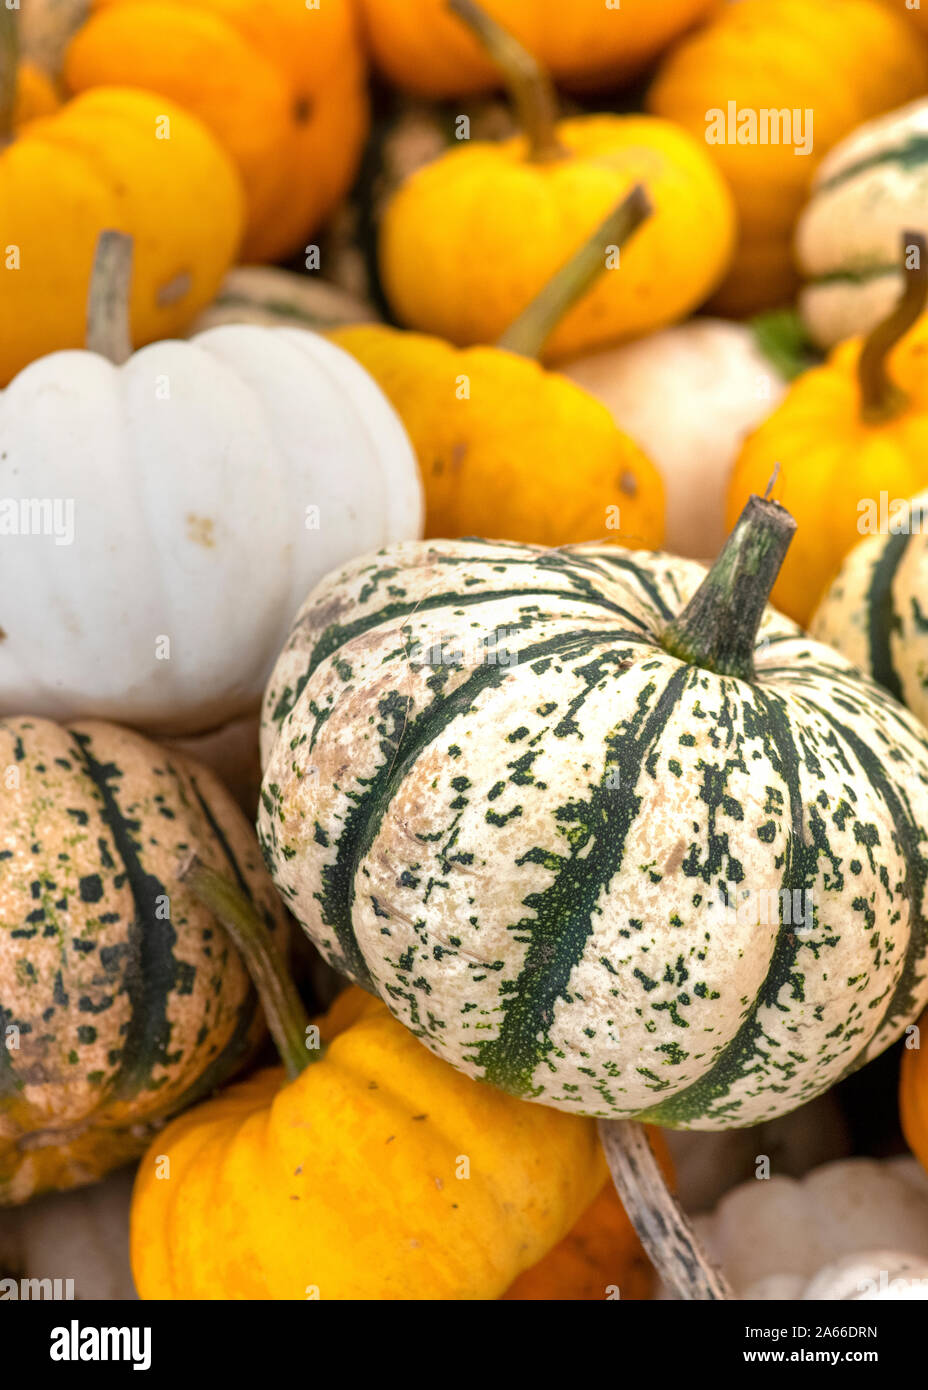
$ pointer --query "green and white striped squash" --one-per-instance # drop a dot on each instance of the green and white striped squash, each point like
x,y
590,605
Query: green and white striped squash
x,y
121,999
867,191
876,610
536,860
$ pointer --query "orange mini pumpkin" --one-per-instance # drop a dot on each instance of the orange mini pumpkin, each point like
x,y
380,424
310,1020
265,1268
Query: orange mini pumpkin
x,y
850,439
111,158
419,45
280,85
824,68
468,240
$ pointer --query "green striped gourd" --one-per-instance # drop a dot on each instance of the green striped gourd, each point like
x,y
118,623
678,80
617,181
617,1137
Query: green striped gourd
x,y
867,189
121,999
876,610
556,808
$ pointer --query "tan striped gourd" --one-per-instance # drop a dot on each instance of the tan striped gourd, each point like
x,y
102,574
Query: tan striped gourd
x,y
121,998
599,829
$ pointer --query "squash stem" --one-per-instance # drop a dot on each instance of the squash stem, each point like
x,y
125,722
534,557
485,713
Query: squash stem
x,y
717,629
529,86
663,1228
531,330
881,398
108,331
283,1007
9,66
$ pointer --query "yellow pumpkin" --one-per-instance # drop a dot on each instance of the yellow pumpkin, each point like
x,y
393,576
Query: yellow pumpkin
x,y
418,44
508,449
378,1172
836,63
279,83
845,436
104,160
600,1257
468,240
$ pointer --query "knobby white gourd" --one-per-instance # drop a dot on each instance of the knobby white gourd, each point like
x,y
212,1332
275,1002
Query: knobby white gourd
x,y
854,1229
185,501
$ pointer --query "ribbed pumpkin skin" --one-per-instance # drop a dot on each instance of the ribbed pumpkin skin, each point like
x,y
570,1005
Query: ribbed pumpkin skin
x,y
279,84
98,163
771,54
830,461
193,467
350,1180
470,239
564,460
875,611
128,998
521,856
422,46
869,188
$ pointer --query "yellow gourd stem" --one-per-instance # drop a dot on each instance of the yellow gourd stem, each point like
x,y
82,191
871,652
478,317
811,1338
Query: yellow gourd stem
x,y
531,330
881,398
283,1007
529,86
108,330
9,64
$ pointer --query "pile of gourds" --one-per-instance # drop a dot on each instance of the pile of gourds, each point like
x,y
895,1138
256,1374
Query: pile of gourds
x,y
394,838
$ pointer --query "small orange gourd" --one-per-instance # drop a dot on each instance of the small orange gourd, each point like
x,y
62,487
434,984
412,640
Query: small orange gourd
x,y
469,239
845,436
506,448
377,1172
418,45
111,158
825,68
280,85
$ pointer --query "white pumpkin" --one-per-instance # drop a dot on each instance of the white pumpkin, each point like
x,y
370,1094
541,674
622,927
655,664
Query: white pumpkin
x,y
707,1163
80,1236
868,189
845,1230
688,396
197,491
